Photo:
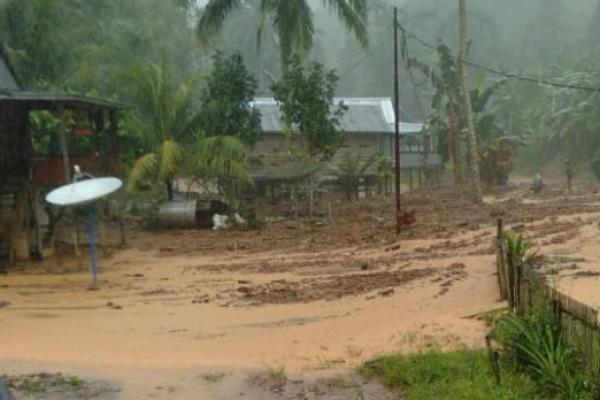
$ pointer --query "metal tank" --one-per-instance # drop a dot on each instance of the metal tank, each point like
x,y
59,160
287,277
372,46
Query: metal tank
x,y
189,214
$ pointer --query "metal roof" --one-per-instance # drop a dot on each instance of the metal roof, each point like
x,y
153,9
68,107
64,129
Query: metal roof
x,y
363,115
10,90
49,100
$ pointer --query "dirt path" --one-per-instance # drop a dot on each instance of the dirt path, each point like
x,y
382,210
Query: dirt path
x,y
208,315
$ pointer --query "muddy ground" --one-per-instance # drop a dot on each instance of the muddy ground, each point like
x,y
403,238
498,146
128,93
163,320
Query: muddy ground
x,y
291,310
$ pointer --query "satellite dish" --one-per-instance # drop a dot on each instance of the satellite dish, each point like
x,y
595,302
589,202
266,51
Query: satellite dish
x,y
83,192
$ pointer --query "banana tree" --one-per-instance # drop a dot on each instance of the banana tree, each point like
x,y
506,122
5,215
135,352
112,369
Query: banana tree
x,y
449,119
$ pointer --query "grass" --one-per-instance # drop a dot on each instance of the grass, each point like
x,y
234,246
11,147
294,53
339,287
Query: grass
x,y
459,375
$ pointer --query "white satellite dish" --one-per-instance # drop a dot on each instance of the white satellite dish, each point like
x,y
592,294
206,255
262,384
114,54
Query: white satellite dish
x,y
84,191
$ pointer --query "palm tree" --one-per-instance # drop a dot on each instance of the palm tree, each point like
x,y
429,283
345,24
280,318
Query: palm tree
x,y
222,160
292,21
473,153
166,123
162,119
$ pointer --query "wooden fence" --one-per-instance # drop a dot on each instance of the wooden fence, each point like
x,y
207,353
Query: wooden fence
x,y
524,288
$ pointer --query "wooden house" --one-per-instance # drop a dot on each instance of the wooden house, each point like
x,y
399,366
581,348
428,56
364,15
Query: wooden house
x,y
368,128
42,135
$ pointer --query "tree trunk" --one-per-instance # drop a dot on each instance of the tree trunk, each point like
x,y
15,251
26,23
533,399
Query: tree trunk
x,y
169,186
454,145
285,53
468,108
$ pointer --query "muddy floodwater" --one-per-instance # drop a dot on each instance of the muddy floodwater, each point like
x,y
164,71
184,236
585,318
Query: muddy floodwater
x,y
293,309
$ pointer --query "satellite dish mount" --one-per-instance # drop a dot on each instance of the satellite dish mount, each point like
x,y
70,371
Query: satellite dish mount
x,y
84,192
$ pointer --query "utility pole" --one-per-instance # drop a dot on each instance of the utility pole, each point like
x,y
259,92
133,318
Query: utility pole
x,y
397,122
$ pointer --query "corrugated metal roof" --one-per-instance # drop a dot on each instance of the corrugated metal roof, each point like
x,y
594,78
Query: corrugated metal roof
x,y
49,99
10,90
364,115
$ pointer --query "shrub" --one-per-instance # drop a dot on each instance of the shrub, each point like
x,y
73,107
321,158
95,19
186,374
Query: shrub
x,y
536,345
459,375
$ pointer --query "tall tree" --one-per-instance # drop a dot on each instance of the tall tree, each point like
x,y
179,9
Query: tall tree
x,y
473,153
166,119
226,101
162,120
307,102
291,20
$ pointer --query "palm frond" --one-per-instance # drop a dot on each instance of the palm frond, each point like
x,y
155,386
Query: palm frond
x,y
480,100
223,157
171,155
301,25
213,17
353,14
142,172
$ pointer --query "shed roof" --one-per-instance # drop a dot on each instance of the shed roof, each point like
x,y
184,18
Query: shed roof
x,y
50,100
363,115
11,91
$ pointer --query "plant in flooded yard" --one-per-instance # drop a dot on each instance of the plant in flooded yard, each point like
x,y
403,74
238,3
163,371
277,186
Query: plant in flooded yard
x,y
349,173
535,344
519,249
458,375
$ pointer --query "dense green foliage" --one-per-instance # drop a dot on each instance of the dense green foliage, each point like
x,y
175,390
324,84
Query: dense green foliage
x,y
537,345
80,44
226,101
307,102
84,45
542,351
167,122
459,375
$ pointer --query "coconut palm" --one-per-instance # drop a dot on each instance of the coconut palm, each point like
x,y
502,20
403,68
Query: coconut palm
x,y
222,160
292,21
167,124
162,119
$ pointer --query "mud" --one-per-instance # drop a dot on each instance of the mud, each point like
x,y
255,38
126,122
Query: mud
x,y
220,315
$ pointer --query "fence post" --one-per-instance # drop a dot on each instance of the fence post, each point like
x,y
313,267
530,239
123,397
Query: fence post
x,y
556,308
510,281
519,307
501,260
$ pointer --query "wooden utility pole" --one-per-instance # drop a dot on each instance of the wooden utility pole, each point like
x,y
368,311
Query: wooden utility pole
x,y
397,122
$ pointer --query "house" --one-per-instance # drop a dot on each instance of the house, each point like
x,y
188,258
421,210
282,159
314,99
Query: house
x,y
368,126
42,135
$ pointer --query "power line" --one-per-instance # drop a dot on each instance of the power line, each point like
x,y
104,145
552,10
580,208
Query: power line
x,y
510,75
354,66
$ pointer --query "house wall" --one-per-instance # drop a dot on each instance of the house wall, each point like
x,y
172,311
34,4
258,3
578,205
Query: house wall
x,y
365,145
275,149
15,144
